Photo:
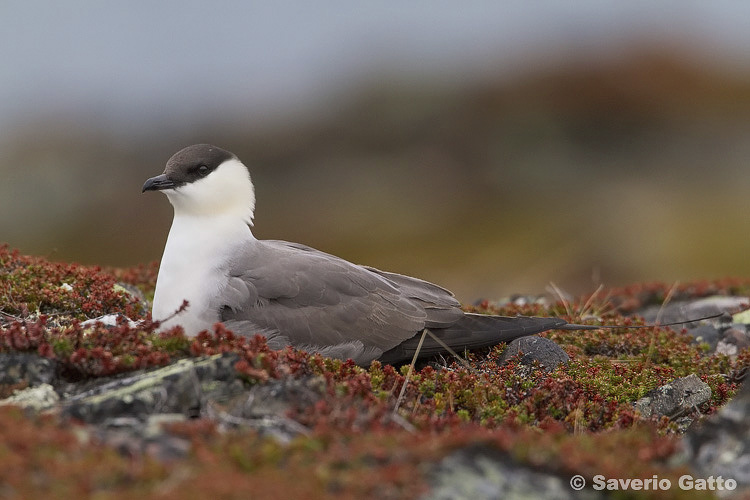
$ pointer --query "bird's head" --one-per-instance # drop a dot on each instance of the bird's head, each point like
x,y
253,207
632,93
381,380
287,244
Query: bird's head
x,y
204,180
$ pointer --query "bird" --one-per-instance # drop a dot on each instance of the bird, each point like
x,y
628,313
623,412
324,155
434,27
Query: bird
x,y
292,294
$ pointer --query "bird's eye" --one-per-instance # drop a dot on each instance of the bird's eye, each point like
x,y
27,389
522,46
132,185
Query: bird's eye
x,y
203,170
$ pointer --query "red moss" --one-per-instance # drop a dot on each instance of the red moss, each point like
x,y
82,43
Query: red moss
x,y
33,284
632,297
142,276
359,447
365,398
41,459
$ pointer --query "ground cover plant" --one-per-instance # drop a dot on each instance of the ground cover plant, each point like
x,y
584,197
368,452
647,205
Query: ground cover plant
x,y
361,440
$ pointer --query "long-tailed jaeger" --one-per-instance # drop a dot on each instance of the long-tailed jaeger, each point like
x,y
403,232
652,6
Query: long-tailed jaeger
x,y
293,294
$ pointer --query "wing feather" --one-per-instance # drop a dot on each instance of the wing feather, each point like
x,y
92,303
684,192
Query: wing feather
x,y
304,297
295,295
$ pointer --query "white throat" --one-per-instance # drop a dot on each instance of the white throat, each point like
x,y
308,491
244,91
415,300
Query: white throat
x,y
226,191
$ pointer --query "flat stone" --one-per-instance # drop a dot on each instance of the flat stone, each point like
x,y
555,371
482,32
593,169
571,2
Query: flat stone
x,y
674,399
178,388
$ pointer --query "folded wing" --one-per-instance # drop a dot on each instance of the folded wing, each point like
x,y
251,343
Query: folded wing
x,y
299,296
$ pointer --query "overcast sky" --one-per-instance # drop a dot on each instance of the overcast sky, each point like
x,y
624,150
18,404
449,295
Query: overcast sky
x,y
177,59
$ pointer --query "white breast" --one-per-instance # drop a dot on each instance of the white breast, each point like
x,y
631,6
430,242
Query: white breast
x,y
194,267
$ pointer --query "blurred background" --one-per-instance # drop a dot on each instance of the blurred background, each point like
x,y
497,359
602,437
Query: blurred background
x,y
491,147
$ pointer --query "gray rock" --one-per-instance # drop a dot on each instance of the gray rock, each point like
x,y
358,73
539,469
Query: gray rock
x,y
181,387
134,437
720,445
539,349
485,473
690,310
127,411
265,407
41,397
675,399
727,349
737,336
32,369
707,334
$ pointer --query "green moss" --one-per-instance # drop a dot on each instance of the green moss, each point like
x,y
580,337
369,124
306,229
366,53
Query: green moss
x,y
172,344
62,347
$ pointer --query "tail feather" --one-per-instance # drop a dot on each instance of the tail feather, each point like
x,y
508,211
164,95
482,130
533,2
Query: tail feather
x,y
475,331
472,331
